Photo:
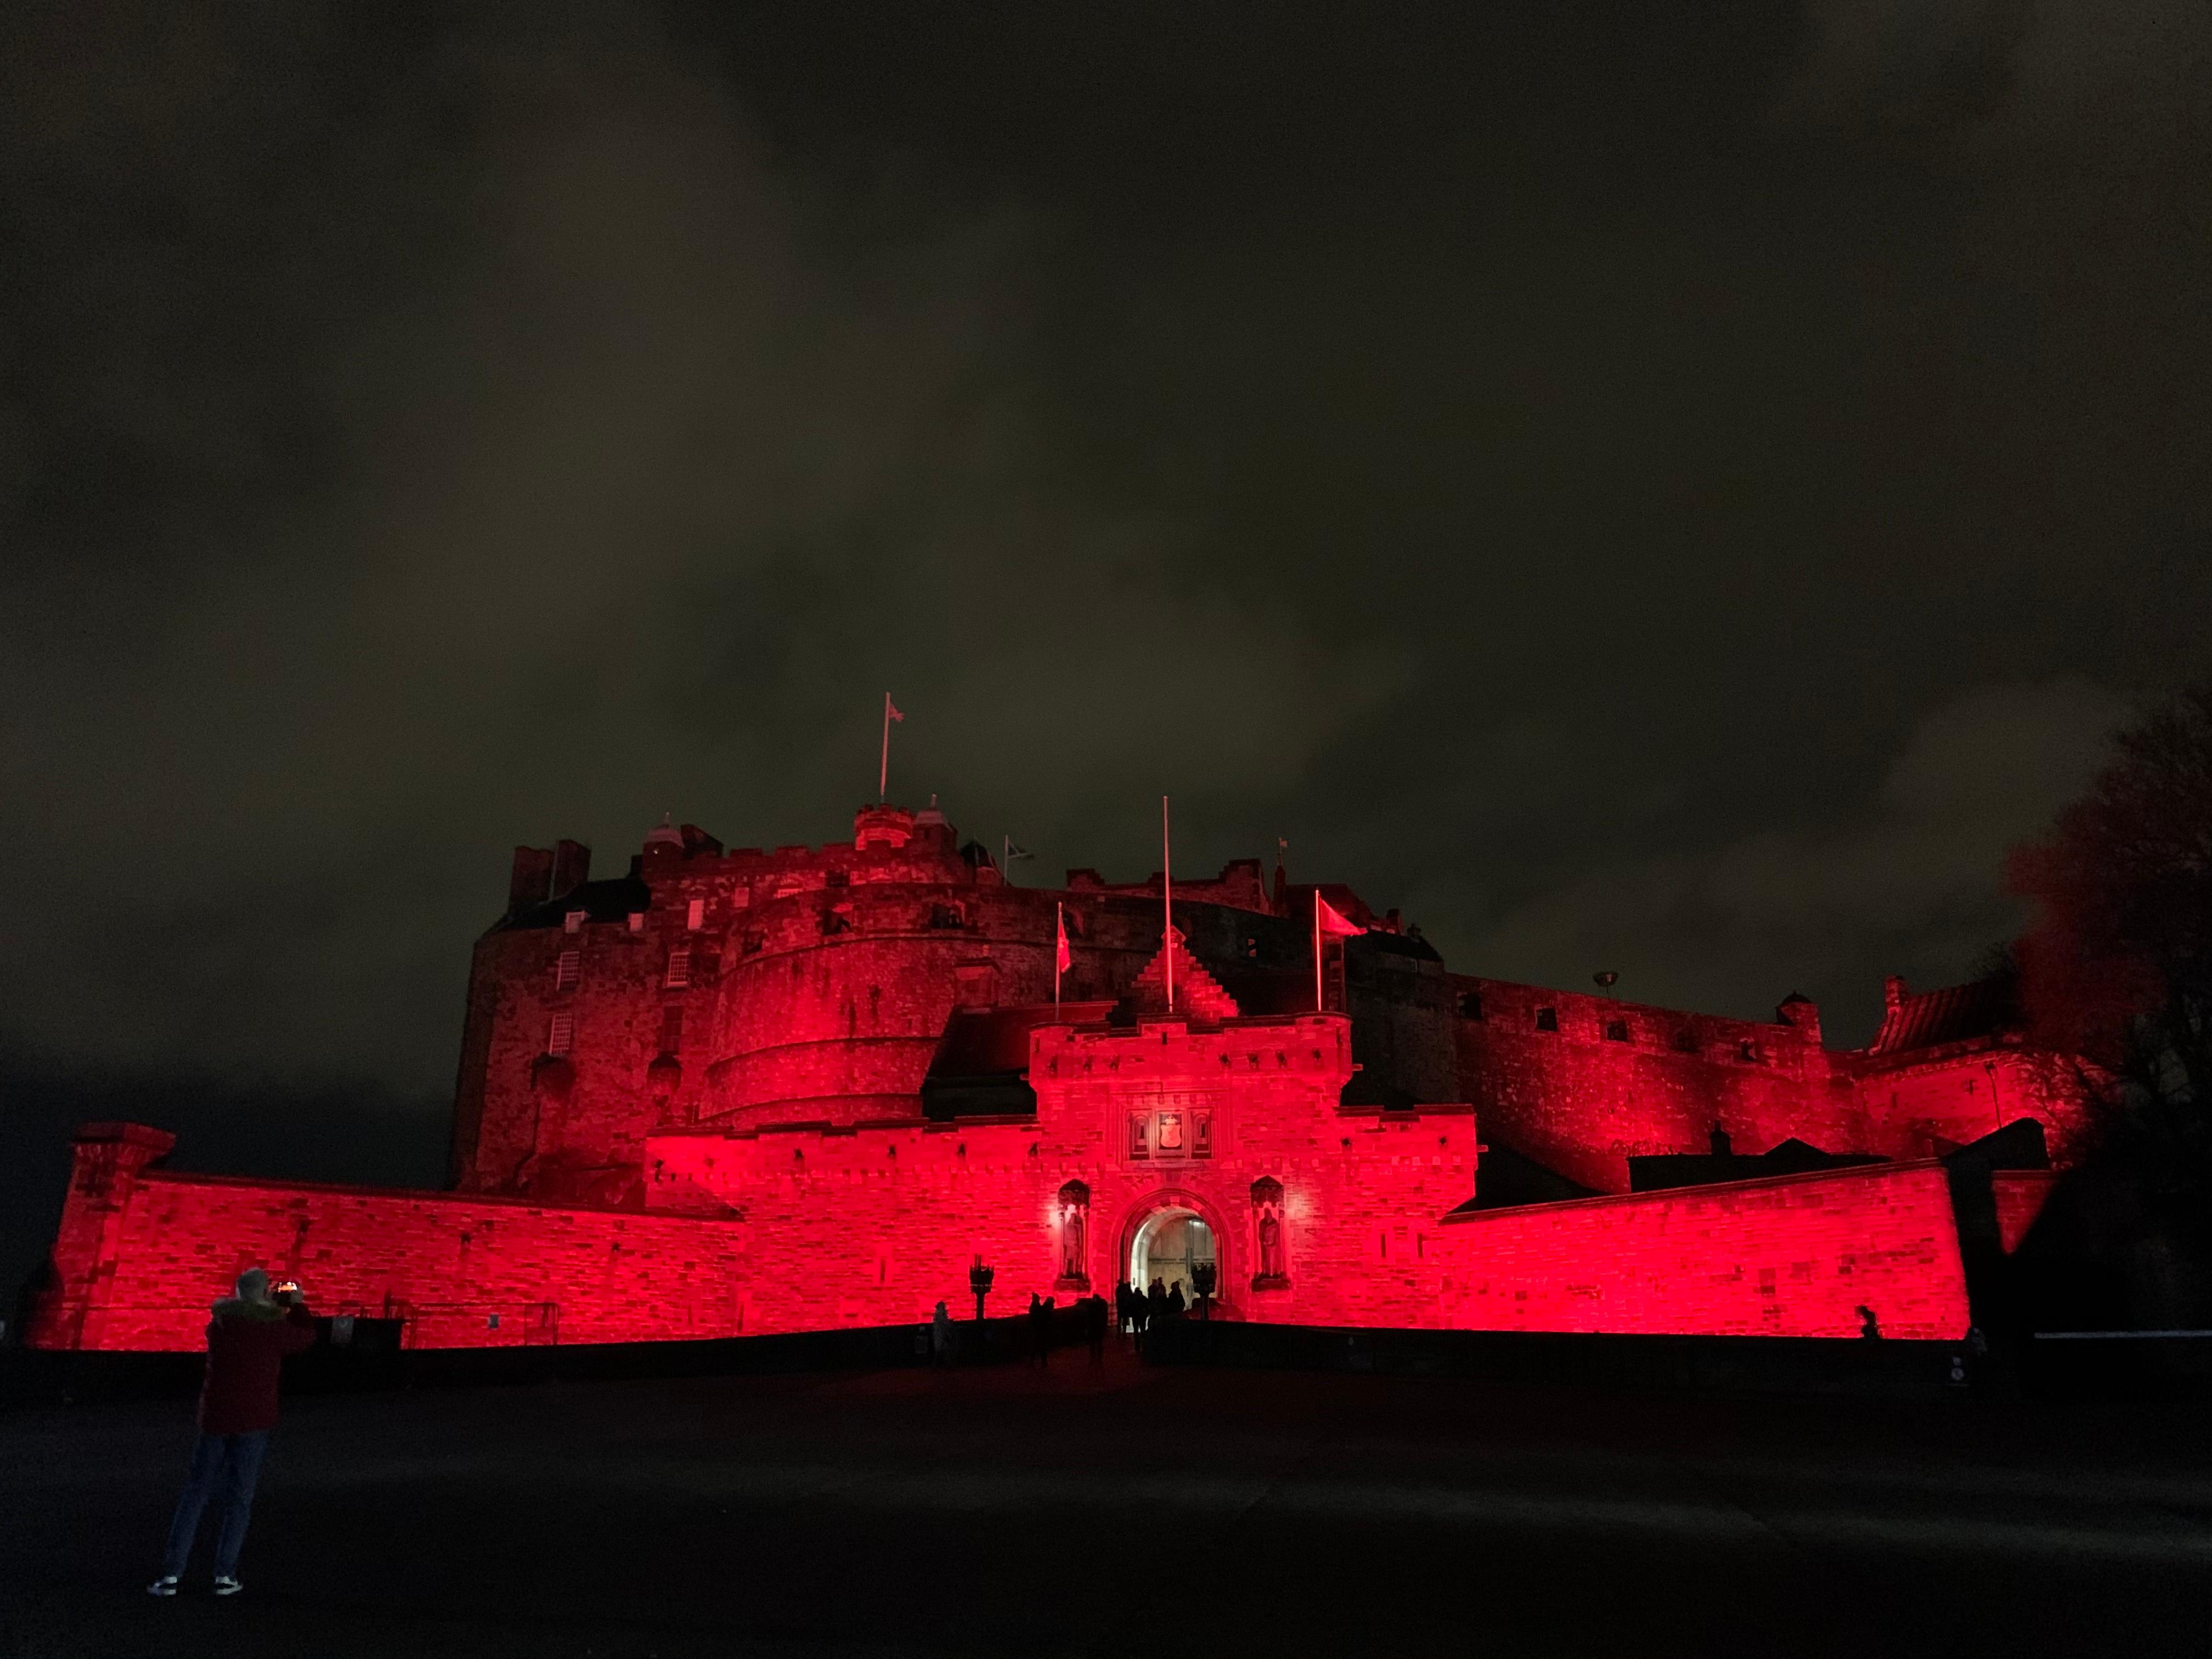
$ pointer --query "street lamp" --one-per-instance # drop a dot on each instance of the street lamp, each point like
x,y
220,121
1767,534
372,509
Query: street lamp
x,y
979,1281
1203,1277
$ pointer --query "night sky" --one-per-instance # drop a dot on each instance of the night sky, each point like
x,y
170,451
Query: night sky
x,y
1677,495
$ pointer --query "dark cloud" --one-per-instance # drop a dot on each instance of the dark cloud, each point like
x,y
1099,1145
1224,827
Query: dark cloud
x,y
1678,495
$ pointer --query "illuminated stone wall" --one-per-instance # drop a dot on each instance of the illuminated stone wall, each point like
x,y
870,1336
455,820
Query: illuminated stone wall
x,y
1792,1255
143,1254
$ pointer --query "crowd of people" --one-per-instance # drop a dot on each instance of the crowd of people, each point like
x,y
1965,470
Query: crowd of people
x,y
1134,1311
1139,1310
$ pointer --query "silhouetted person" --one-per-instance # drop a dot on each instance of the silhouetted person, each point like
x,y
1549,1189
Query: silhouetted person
x,y
940,1336
1094,1327
247,1340
1870,1327
1041,1327
1125,1309
1176,1303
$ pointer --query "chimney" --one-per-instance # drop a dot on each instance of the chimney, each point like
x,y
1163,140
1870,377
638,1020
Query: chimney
x,y
531,880
1721,1146
572,866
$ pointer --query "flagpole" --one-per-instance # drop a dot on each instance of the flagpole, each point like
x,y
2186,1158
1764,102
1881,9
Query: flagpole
x,y
1060,916
1317,1007
1167,904
884,771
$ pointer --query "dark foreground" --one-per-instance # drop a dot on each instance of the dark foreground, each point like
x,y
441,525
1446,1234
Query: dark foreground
x,y
1191,1511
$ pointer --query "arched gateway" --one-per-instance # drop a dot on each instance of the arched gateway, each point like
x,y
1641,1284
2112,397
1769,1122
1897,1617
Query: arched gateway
x,y
1166,1237
1167,1247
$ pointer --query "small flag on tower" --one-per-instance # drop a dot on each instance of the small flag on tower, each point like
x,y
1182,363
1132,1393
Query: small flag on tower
x,y
1062,957
883,767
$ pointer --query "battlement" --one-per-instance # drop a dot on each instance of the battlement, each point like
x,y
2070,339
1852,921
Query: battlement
x,y
1580,1016
1169,1053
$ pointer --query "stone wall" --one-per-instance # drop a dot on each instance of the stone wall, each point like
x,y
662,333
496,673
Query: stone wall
x,y
1581,1083
1793,1255
143,1254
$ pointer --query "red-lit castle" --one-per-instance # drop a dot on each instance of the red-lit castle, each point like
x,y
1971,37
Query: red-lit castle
x,y
749,1091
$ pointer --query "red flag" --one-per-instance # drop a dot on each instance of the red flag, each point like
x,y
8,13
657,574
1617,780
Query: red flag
x,y
1064,958
1330,923
892,709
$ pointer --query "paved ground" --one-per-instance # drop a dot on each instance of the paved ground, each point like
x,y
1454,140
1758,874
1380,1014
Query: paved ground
x,y
1070,1513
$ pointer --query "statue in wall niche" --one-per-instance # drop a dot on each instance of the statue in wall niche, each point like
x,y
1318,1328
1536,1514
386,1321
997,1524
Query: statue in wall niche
x,y
1074,1233
1271,1248
1074,1245
1273,1273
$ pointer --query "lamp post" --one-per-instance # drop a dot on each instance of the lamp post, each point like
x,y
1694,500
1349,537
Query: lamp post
x,y
979,1281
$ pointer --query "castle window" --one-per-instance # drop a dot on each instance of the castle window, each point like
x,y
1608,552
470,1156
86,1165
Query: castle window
x,y
637,922
1685,1040
1470,1005
694,914
1747,1051
561,1036
567,968
671,1030
1547,1019
679,968
946,916
1616,1031
573,922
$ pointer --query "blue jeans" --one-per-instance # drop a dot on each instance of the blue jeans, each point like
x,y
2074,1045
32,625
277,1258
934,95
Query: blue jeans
x,y
229,1464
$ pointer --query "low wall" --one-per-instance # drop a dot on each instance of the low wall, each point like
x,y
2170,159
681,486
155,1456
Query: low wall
x,y
1691,1364
143,1254
1791,1256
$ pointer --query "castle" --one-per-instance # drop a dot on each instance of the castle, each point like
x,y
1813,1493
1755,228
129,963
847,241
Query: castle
x,y
731,1093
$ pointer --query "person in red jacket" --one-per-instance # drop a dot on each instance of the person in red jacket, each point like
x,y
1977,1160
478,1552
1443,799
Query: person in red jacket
x,y
247,1340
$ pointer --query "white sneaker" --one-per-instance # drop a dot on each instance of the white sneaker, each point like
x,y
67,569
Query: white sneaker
x,y
165,1585
227,1586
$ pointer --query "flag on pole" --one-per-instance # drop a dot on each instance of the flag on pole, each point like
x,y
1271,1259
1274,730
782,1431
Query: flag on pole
x,y
1167,905
1062,957
884,771
1014,850
1329,923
